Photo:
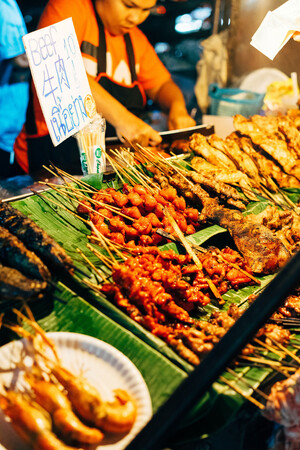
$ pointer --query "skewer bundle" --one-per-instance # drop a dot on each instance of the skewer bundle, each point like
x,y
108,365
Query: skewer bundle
x,y
91,142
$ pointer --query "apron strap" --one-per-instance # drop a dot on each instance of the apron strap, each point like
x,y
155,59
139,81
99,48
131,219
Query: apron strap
x,y
131,58
101,51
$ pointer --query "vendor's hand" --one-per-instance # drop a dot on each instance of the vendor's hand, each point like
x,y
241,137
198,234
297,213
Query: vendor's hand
x,y
179,118
296,36
138,131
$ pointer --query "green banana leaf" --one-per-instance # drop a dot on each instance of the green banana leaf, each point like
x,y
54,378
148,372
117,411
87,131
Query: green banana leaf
x,y
221,402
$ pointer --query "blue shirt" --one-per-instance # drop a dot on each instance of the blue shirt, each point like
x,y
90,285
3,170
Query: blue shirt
x,y
13,97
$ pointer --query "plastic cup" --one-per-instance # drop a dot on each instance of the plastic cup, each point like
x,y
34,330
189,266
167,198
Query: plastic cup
x,y
91,143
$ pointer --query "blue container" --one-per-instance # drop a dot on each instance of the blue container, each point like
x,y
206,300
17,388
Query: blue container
x,y
228,102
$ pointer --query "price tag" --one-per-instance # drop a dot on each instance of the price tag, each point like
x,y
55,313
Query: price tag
x,y
60,79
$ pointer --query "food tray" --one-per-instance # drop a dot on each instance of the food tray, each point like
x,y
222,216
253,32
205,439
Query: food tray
x,y
76,308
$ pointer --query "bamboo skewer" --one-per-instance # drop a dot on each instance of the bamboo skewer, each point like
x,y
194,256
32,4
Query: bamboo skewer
x,y
142,178
266,362
269,347
66,209
244,381
285,350
111,208
103,258
73,188
239,391
73,178
114,209
101,237
92,265
195,258
111,161
203,250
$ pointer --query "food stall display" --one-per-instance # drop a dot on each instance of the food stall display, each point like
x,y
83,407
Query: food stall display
x,y
161,258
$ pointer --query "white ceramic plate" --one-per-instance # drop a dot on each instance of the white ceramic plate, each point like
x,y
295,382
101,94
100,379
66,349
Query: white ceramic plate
x,y
259,80
102,365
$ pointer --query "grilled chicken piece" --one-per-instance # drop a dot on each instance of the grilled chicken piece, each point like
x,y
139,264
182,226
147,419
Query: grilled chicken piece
x,y
283,125
268,168
285,224
16,286
267,123
291,133
225,192
225,175
242,160
263,252
199,144
273,144
13,253
180,146
294,115
35,239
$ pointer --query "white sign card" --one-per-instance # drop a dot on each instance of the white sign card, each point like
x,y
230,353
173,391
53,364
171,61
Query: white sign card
x,y
60,79
277,28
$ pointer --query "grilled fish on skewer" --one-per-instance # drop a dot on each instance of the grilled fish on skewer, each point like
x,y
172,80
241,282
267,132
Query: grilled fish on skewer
x,y
16,286
13,253
35,238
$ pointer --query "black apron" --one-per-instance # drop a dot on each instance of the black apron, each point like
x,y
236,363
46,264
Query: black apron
x,y
133,96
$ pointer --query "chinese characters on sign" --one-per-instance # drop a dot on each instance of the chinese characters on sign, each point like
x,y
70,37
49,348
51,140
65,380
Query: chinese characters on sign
x,y
60,78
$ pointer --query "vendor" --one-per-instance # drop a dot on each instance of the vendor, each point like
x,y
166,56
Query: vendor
x,y
123,70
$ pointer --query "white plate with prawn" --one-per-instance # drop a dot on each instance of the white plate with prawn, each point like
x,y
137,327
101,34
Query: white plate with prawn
x,y
88,359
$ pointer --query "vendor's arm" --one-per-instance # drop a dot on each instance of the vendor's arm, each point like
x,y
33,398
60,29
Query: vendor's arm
x,y
125,123
170,99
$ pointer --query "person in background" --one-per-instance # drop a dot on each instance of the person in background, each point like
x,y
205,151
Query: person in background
x,y
14,85
123,71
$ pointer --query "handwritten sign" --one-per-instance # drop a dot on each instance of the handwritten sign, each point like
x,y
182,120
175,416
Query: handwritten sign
x,y
60,79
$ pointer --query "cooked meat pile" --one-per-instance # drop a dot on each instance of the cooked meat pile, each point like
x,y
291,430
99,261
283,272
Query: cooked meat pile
x,y
27,256
132,216
265,149
263,251
160,290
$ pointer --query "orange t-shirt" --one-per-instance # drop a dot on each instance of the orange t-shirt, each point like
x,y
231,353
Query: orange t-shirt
x,y
149,69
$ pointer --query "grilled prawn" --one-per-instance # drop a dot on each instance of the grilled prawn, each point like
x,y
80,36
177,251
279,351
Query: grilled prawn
x,y
55,402
31,422
117,416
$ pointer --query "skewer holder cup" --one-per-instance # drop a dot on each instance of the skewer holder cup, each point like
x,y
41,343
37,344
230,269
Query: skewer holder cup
x,y
91,143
